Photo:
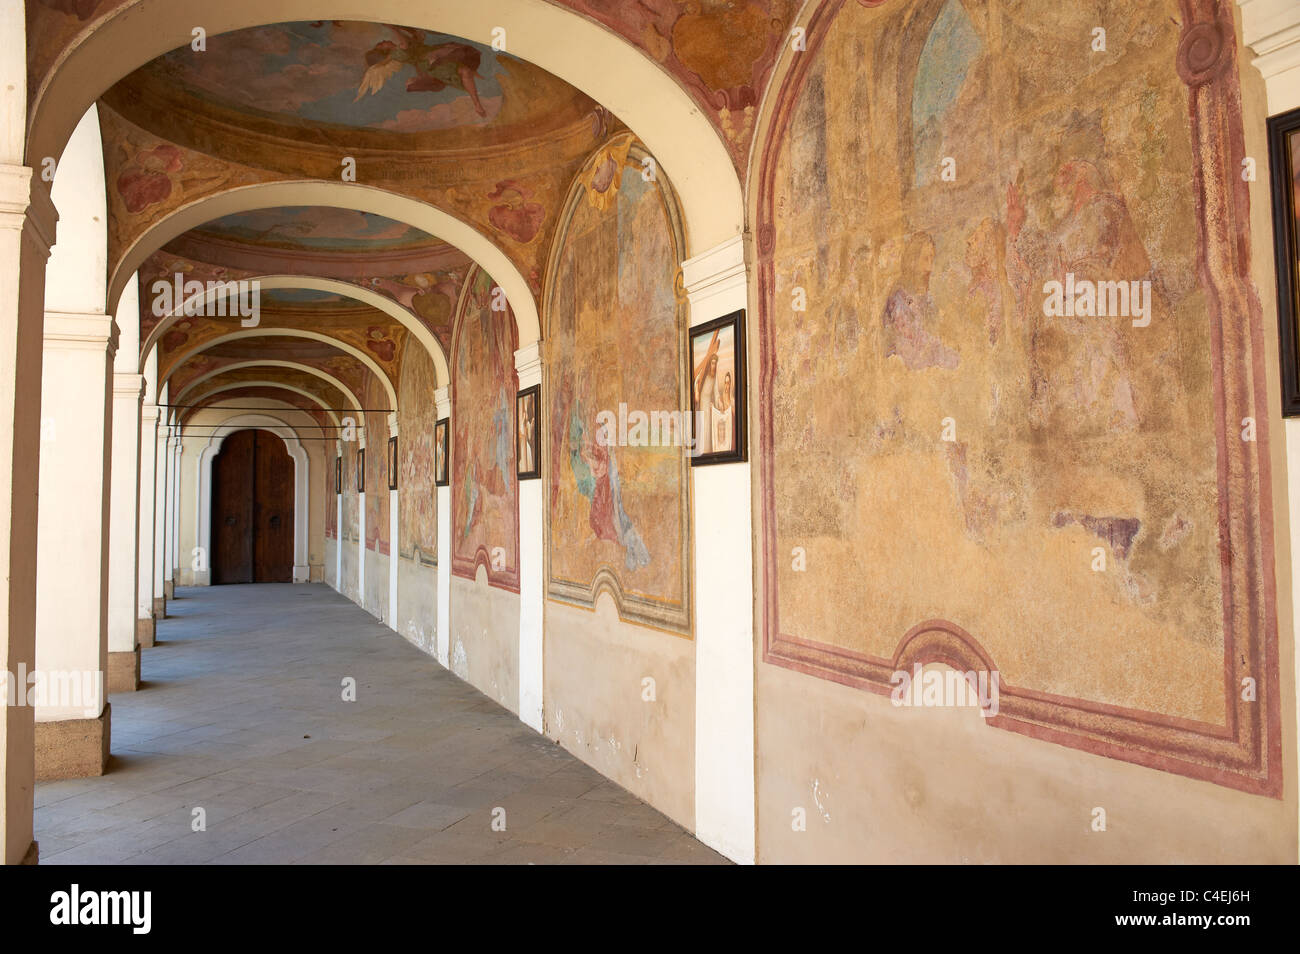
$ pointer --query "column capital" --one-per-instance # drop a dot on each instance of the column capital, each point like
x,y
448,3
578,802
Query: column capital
x,y
716,280
26,203
149,413
128,385
76,331
392,423
442,402
528,364
1271,30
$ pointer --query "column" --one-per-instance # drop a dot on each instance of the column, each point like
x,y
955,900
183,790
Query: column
x,y
178,491
27,225
169,528
72,720
724,600
159,503
149,414
124,489
532,566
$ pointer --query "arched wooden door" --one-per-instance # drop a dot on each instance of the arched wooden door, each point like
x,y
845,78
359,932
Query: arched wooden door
x,y
252,510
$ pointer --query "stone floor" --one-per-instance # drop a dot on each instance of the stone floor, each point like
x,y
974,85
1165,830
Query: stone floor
x,y
241,714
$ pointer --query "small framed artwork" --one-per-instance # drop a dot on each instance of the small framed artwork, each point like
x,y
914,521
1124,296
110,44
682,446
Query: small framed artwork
x,y
528,433
392,463
361,470
717,375
440,454
1284,161
338,474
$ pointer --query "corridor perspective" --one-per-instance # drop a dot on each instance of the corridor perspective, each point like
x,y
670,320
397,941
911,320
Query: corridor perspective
x,y
285,770
649,431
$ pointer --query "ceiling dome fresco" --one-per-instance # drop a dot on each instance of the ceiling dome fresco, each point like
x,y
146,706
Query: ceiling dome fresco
x,y
370,78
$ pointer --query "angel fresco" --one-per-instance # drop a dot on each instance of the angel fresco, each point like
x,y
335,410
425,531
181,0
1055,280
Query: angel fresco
x,y
436,67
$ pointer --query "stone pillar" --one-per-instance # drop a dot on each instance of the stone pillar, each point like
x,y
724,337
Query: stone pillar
x,y
174,516
159,504
532,565
123,524
72,721
724,599
169,511
144,618
27,224
442,401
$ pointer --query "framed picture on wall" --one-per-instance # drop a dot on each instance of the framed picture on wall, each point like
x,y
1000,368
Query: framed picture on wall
x,y
392,463
528,433
440,453
717,376
1284,162
338,474
361,470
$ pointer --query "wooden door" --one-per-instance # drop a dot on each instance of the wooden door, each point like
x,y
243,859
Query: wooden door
x,y
272,510
252,510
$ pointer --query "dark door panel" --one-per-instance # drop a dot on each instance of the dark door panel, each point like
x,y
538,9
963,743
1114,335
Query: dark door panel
x,y
252,510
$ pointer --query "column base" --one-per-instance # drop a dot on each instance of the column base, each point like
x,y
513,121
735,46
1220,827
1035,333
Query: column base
x,y
33,856
72,748
124,670
160,607
144,632
301,574
169,589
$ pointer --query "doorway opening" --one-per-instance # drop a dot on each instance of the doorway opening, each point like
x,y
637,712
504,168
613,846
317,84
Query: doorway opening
x,y
252,510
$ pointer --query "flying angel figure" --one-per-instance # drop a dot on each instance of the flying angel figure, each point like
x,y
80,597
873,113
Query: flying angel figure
x,y
436,67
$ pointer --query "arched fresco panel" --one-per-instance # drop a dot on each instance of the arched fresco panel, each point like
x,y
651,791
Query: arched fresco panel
x,y
417,494
484,485
963,466
618,497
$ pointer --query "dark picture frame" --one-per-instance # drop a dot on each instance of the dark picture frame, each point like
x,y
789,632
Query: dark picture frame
x,y
528,460
722,339
338,474
392,462
1284,167
441,468
361,470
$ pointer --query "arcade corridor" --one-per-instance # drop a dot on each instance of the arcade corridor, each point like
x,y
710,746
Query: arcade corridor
x,y
244,718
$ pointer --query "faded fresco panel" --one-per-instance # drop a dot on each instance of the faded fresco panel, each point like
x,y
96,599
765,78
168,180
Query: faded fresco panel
x,y
377,496
941,441
619,508
484,490
416,493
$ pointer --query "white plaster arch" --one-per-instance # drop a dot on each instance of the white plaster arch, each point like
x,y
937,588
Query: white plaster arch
x,y
273,363
339,195
264,331
580,51
241,421
278,385
76,274
347,289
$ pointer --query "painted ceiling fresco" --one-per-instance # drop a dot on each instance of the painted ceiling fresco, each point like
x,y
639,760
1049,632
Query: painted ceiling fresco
x,y
253,378
316,228
722,52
